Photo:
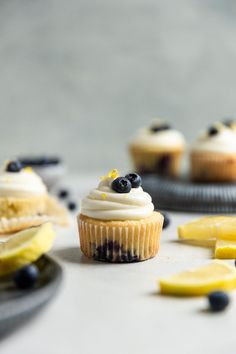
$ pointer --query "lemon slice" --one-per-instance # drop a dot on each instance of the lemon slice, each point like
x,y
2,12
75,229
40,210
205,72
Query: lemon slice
x,y
225,249
216,275
25,247
204,231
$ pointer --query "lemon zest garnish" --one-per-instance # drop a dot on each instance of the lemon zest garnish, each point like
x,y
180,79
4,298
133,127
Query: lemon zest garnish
x,y
28,169
112,174
103,195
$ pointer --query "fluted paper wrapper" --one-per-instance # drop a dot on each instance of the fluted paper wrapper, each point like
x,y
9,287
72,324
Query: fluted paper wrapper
x,y
125,241
162,162
213,167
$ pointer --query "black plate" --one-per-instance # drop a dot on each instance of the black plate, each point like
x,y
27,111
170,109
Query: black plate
x,y
17,305
184,195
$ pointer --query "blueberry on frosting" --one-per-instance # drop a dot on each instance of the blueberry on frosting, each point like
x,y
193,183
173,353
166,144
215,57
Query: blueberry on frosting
x,y
156,128
228,122
134,179
121,185
212,131
14,166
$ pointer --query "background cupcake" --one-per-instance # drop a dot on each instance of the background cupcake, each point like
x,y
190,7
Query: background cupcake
x,y
157,149
117,222
213,156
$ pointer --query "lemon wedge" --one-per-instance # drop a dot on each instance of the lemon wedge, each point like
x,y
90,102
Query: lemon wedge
x,y
25,247
216,275
204,231
225,249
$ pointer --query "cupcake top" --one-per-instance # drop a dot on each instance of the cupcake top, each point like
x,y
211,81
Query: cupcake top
x,y
19,182
118,198
218,138
159,134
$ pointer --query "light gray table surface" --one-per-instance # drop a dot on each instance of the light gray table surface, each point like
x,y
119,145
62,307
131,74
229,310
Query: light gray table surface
x,y
110,308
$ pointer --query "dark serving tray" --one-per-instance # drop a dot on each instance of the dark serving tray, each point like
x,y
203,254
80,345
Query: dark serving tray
x,y
17,305
184,195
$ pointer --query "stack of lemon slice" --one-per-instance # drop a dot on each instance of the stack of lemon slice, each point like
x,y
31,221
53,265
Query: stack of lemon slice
x,y
217,231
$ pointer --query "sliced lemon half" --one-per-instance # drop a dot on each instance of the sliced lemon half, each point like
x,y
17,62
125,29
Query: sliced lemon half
x,y
204,231
216,275
225,249
25,247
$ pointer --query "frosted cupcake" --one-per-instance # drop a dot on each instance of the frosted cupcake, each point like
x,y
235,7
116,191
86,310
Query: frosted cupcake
x,y
117,221
50,169
213,156
24,200
157,149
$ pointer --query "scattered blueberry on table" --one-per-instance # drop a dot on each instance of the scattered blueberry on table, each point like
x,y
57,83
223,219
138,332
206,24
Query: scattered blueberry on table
x,y
63,193
14,166
121,185
134,179
72,206
218,301
166,220
26,277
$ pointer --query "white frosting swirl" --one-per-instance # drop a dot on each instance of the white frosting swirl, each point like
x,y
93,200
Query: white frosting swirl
x,y
23,184
169,138
223,142
105,204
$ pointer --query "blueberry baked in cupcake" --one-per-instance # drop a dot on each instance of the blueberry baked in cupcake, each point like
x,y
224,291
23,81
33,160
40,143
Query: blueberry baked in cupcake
x,y
213,156
24,200
117,221
50,168
157,149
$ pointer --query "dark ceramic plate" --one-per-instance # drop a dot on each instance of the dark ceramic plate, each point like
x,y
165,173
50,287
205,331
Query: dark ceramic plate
x,y
16,305
184,195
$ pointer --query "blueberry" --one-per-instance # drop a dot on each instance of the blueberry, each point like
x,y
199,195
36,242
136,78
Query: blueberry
x,y
14,166
63,193
218,300
159,128
134,179
228,122
121,185
166,220
26,277
72,206
212,131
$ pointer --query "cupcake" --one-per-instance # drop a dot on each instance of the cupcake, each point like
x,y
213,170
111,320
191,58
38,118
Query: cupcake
x,y
24,200
50,169
117,221
157,149
213,156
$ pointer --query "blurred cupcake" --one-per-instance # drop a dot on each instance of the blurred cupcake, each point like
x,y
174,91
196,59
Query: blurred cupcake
x,y
50,169
213,156
117,221
157,149
22,192
24,200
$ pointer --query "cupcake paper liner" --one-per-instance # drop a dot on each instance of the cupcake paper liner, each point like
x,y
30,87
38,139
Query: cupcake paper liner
x,y
156,161
115,241
213,167
55,213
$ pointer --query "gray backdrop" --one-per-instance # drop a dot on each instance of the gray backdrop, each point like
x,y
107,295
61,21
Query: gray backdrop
x,y
79,76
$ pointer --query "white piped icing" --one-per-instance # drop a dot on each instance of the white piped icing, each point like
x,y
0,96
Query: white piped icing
x,y
105,204
169,138
23,184
222,142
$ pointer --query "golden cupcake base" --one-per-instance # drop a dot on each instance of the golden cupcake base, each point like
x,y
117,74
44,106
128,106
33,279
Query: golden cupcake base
x,y
120,241
163,162
213,167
